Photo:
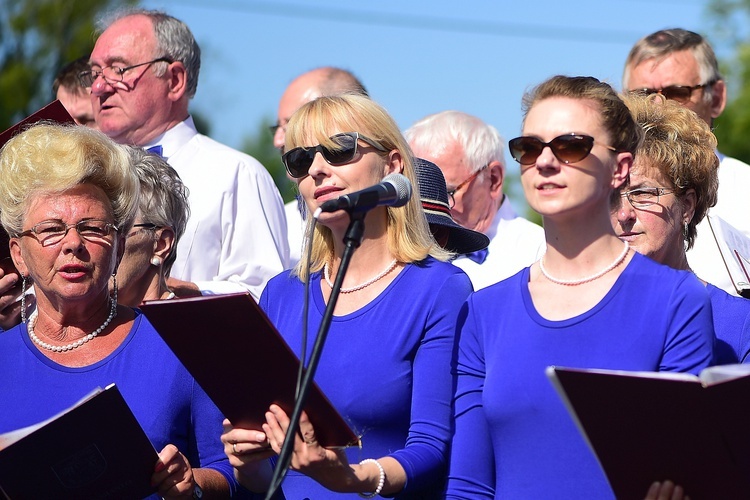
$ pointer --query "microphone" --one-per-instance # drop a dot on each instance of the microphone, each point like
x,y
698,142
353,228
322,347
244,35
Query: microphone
x,y
394,191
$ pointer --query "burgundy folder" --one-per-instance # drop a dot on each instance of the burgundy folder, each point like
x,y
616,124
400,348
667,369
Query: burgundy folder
x,y
238,357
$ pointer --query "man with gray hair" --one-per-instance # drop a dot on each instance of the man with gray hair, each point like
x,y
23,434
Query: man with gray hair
x,y
681,65
144,71
470,154
318,82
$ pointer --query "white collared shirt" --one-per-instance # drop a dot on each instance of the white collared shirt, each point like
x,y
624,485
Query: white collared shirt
x,y
236,236
733,206
515,243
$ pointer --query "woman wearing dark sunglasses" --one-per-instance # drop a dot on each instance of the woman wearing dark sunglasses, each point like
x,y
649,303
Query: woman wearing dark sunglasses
x,y
589,302
387,358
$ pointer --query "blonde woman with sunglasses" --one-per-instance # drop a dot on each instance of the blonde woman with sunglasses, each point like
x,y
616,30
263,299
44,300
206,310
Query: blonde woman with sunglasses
x,y
386,365
589,302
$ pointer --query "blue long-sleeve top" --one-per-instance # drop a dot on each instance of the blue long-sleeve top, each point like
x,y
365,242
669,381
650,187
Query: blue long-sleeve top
x,y
514,437
386,368
165,399
732,326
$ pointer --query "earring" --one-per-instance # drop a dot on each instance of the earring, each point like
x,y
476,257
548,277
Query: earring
x,y
114,287
685,231
23,299
155,261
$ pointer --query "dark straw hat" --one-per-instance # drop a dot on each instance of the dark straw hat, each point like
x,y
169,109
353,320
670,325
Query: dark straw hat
x,y
434,196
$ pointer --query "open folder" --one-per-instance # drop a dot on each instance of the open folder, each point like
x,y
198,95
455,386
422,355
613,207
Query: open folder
x,y
657,426
95,449
734,247
52,112
239,358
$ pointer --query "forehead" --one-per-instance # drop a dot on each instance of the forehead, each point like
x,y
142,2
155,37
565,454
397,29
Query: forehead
x,y
677,68
71,205
299,92
555,116
126,40
645,173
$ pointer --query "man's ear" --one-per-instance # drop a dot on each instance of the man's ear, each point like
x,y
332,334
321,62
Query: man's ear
x,y
718,98
496,173
177,75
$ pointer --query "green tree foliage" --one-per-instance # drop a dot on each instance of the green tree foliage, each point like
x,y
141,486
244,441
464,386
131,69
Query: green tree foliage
x,y
260,146
38,37
732,128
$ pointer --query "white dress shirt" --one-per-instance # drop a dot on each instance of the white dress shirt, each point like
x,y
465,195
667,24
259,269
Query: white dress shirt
x,y
236,237
733,206
296,226
515,243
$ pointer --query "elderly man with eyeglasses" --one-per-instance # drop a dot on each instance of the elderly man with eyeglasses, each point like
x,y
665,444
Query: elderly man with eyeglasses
x,y
681,65
143,72
470,154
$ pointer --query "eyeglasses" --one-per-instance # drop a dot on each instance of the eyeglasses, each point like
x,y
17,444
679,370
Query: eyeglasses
x,y
275,127
568,148
146,225
50,232
678,93
646,196
298,160
452,192
113,74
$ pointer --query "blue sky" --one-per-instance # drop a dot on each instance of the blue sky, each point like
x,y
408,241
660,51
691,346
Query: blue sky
x,y
415,57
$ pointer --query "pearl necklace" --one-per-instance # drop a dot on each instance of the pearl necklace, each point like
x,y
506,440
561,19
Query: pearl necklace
x,y
77,343
593,277
367,283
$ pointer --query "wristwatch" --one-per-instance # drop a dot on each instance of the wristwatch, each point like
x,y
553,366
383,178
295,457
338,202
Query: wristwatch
x,y
197,492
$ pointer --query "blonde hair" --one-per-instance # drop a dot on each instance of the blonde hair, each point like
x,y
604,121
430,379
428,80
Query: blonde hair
x,y
682,147
409,237
52,158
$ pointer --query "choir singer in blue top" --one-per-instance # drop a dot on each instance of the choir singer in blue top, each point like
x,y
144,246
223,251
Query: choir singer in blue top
x,y
386,365
589,302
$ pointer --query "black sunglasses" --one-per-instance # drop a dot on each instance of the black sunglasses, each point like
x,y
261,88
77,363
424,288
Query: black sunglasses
x,y
298,160
568,148
678,93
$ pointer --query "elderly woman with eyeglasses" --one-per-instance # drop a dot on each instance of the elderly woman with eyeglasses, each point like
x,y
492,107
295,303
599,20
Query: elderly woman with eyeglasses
x,y
673,183
150,246
589,302
386,365
67,198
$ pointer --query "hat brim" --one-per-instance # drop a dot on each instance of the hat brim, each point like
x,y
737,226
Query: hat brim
x,y
460,239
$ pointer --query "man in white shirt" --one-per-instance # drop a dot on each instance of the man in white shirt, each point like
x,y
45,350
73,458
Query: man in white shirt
x,y
144,71
470,154
681,65
303,89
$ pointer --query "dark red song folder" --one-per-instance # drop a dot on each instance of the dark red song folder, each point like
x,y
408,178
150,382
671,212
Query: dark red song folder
x,y
95,450
239,358
657,426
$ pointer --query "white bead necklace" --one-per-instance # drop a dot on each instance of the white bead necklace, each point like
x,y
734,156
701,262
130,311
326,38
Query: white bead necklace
x,y
593,277
77,343
367,283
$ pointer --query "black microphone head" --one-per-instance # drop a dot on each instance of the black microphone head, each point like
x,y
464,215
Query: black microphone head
x,y
403,188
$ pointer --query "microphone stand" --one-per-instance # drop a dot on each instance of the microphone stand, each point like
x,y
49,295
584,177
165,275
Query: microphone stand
x,y
352,240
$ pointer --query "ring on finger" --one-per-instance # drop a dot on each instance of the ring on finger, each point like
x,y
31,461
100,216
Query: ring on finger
x,y
234,449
